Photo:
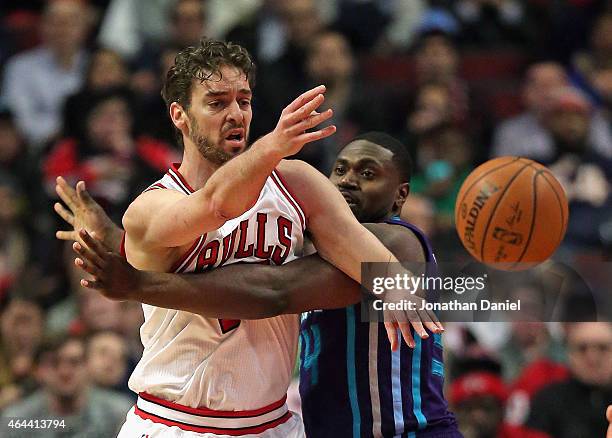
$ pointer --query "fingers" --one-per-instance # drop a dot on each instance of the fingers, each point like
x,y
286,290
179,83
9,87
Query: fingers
x,y
309,137
392,334
66,235
312,121
65,192
82,193
418,327
64,214
92,284
88,255
407,334
439,328
305,111
88,267
304,98
94,244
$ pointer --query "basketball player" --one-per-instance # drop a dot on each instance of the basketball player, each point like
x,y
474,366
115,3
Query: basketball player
x,y
347,367
223,206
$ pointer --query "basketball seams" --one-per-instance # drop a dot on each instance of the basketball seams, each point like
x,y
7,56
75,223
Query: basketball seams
x,y
488,172
534,208
563,218
492,214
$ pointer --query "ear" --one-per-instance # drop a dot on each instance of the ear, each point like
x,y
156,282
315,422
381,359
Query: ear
x,y
401,194
179,118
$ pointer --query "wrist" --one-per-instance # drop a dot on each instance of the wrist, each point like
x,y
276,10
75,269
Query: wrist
x,y
268,148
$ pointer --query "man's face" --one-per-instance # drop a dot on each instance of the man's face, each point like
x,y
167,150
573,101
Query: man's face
x,y
220,115
330,59
188,22
68,375
437,59
590,352
106,362
65,25
367,178
571,127
21,326
480,416
542,81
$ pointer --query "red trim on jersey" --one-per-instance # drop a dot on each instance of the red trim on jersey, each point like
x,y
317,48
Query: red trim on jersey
x,y
190,252
205,412
154,187
285,190
216,430
175,167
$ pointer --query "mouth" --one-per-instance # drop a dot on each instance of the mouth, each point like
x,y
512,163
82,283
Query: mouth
x,y
235,138
350,199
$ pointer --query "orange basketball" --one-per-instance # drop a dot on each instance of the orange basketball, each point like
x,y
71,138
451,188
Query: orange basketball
x,y
511,211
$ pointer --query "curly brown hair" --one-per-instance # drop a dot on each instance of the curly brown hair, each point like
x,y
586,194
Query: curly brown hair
x,y
200,63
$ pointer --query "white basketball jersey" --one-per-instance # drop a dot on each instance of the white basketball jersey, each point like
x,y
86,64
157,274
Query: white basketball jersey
x,y
222,364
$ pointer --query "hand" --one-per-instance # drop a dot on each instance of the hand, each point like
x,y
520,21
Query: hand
x,y
84,213
403,319
609,417
290,134
112,275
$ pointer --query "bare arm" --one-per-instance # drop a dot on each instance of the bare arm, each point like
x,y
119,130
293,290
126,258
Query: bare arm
x,y
256,291
173,219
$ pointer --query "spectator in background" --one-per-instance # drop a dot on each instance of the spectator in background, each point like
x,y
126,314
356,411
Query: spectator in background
x,y
287,75
106,71
14,244
66,394
478,399
330,61
14,152
60,61
526,134
21,327
115,163
585,174
186,25
107,360
129,23
377,25
599,57
494,23
576,407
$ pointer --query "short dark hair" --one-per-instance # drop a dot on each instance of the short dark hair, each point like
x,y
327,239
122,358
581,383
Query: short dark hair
x,y
401,156
200,63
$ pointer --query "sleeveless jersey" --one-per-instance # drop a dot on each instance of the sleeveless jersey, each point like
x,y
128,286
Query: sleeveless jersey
x,y
353,385
225,365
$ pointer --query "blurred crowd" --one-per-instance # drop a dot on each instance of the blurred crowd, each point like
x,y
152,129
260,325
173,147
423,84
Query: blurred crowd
x,y
458,82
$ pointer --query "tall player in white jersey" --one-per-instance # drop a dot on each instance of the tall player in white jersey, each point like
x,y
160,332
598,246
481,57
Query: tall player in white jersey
x,y
226,204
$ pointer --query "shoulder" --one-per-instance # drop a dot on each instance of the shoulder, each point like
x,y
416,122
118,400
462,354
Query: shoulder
x,y
146,204
30,407
401,241
31,58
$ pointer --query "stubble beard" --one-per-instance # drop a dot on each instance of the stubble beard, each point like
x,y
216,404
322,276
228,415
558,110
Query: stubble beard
x,y
213,153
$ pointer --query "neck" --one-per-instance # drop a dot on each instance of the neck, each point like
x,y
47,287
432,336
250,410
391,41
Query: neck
x,y
65,58
195,168
66,405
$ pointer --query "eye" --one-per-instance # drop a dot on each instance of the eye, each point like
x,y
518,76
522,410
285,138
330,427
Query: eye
x,y
215,104
245,102
339,170
368,174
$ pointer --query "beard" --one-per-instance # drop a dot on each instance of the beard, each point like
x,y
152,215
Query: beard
x,y
213,153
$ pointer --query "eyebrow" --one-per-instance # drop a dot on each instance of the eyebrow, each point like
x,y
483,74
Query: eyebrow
x,y
213,93
361,162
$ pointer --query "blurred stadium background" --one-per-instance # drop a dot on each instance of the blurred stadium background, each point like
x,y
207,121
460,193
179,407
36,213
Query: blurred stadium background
x,y
458,81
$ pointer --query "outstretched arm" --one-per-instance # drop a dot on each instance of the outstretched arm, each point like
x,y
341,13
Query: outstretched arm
x,y
155,221
256,291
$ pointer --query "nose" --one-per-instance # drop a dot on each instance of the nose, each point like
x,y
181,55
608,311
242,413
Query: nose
x,y
235,114
348,181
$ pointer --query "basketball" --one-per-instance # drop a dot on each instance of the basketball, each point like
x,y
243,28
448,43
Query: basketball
x,y
511,211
